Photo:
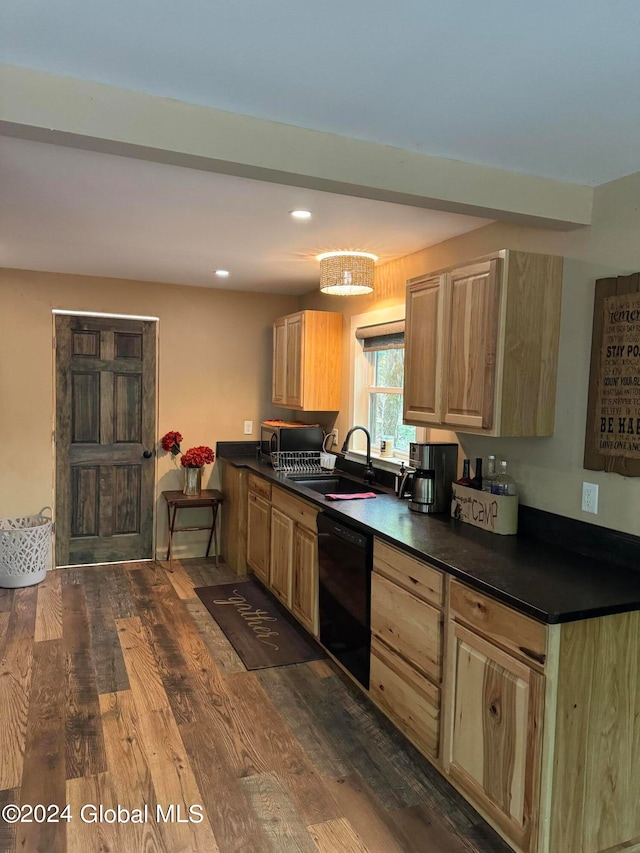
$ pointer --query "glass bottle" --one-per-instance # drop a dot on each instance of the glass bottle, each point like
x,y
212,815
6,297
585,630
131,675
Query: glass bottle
x,y
487,480
504,484
476,481
465,480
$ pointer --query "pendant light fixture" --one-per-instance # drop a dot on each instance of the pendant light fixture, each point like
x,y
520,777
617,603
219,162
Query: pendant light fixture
x,y
346,273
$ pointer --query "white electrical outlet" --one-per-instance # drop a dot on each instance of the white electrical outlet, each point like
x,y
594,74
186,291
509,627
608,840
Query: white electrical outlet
x,y
334,433
590,498
248,427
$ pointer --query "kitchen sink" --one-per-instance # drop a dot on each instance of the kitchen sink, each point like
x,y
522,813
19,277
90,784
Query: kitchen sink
x,y
333,485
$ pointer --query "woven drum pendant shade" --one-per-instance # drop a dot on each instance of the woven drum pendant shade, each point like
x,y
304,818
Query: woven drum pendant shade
x,y
346,273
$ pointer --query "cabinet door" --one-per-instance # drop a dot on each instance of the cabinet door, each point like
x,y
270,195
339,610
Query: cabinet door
x,y
233,525
279,380
304,595
259,535
423,352
471,321
281,555
494,735
295,342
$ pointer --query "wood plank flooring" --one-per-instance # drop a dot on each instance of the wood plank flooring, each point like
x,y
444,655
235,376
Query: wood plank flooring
x,y
118,688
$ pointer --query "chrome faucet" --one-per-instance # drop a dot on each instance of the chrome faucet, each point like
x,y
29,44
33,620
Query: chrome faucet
x,y
369,474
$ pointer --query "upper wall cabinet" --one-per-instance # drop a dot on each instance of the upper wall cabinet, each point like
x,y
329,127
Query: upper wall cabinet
x,y
307,361
482,346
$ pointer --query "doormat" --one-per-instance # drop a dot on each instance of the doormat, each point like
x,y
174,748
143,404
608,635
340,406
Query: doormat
x,y
258,627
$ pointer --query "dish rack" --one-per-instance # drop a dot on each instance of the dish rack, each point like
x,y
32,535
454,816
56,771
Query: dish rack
x,y
297,462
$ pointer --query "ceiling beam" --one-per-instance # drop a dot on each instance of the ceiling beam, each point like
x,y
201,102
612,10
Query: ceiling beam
x,y
46,107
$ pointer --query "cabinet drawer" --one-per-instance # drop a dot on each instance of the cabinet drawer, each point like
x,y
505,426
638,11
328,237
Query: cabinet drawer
x,y
259,486
408,697
511,629
410,626
418,577
300,511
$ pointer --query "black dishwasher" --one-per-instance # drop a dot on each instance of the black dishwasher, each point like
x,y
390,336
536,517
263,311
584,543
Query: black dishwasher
x,y
345,558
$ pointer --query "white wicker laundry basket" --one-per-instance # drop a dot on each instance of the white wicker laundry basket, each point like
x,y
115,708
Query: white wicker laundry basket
x,y
25,549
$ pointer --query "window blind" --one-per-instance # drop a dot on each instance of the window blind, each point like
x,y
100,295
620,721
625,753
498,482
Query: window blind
x,y
382,336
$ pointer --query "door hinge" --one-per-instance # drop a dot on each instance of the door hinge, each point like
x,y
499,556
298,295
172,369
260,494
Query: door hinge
x,y
54,343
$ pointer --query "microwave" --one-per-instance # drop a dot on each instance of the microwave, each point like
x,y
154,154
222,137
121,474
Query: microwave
x,y
275,438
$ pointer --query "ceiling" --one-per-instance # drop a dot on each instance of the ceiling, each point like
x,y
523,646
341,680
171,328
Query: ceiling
x,y
69,210
545,88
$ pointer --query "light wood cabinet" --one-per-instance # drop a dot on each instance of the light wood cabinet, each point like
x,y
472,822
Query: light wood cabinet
x,y
416,576
281,555
408,625
471,320
279,379
294,556
494,743
233,524
307,361
423,351
259,526
482,344
304,581
408,698
406,644
515,632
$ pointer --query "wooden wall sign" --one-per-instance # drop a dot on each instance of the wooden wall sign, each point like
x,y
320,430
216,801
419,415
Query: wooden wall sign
x,y
612,441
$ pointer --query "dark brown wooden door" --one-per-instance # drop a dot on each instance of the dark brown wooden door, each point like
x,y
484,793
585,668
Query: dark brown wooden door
x,y
105,423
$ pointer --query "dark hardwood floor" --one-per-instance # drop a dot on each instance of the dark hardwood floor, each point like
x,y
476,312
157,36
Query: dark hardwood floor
x,y
117,687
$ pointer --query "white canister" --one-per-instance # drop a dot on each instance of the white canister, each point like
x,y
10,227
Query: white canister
x,y
328,461
386,446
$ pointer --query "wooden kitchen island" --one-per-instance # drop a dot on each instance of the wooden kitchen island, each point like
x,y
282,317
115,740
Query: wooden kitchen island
x,y
511,665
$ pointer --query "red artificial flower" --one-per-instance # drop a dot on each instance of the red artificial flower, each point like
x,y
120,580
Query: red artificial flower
x,y
171,442
196,457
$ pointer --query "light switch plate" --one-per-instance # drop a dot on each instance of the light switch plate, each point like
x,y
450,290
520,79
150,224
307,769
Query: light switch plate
x,y
590,498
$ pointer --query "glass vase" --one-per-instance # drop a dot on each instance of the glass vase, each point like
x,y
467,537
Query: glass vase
x,y
192,481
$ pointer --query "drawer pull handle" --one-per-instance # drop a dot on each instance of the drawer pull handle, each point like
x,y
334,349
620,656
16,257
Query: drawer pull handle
x,y
534,655
381,686
413,580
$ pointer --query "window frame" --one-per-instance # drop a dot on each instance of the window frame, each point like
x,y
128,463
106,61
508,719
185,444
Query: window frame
x,y
361,370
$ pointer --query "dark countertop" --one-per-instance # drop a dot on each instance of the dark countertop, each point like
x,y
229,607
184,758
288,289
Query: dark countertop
x,y
550,583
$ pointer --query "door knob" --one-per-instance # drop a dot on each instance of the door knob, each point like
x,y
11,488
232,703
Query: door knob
x,y
148,454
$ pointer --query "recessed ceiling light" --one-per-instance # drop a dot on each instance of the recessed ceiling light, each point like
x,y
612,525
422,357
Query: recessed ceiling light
x,y
222,273
300,214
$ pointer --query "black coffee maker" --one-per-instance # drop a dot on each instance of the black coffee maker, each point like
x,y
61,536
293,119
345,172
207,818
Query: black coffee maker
x,y
436,468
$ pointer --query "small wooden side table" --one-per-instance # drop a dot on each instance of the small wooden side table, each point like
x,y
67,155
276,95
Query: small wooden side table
x,y
207,498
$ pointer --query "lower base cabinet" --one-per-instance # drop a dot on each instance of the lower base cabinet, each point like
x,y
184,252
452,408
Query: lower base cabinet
x,y
259,535
494,741
538,726
233,518
304,580
408,698
281,555
283,549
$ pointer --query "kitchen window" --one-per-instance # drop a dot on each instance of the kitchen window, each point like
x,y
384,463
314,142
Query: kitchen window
x,y
378,386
